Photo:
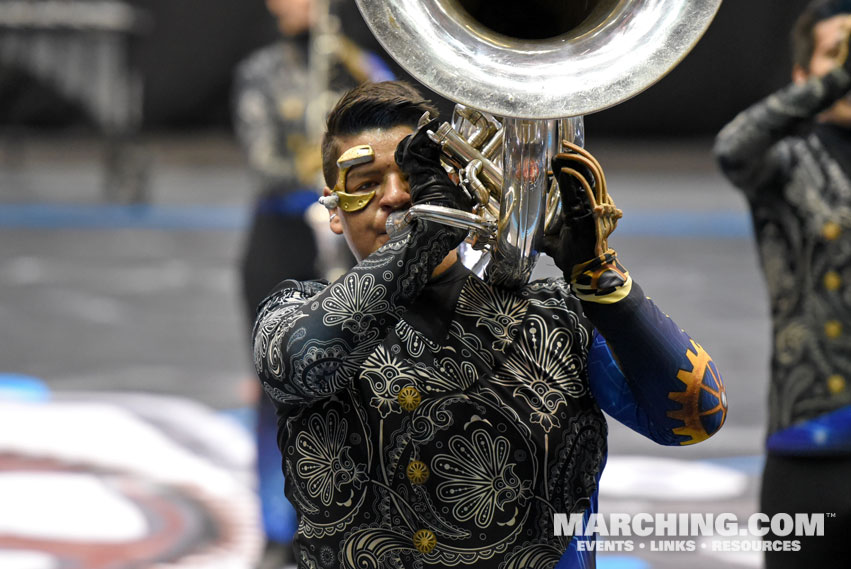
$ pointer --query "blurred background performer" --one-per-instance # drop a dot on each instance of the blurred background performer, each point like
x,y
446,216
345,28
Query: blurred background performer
x,y
276,93
790,154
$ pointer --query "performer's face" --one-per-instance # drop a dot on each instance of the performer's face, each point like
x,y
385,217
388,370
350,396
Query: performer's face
x,y
365,229
830,42
294,16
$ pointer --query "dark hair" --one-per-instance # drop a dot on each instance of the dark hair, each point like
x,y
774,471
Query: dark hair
x,y
803,42
367,106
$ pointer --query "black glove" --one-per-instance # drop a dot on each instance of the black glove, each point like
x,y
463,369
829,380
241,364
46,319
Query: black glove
x,y
577,239
419,159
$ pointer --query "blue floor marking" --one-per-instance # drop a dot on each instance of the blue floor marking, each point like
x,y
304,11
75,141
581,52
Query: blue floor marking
x,y
681,223
620,562
19,387
110,216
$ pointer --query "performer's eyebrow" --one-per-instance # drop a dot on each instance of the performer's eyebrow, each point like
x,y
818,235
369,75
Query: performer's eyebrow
x,y
365,171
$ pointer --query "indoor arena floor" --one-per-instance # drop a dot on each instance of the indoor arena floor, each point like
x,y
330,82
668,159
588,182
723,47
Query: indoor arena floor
x,y
129,316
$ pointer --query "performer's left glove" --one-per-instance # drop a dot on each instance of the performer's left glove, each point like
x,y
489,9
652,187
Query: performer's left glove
x,y
419,158
580,249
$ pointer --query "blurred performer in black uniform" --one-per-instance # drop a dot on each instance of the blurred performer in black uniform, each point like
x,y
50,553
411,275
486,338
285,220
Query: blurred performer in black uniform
x,y
272,90
790,154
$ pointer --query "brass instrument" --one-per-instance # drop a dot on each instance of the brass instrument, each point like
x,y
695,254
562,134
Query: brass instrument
x,y
516,69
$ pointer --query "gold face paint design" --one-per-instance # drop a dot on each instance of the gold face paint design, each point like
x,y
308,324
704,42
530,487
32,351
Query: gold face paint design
x,y
354,156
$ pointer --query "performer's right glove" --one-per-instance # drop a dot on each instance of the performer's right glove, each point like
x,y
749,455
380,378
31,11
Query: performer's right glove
x,y
419,158
589,216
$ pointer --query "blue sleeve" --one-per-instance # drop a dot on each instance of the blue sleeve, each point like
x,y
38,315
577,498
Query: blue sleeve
x,y
611,390
652,376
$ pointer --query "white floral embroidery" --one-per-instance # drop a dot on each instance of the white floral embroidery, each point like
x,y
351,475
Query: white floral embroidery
x,y
414,342
542,370
387,376
278,322
471,342
480,479
450,375
354,302
500,311
321,368
325,464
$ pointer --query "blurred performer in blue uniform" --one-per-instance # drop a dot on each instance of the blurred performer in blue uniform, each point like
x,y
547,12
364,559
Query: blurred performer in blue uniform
x,y
790,154
429,419
272,91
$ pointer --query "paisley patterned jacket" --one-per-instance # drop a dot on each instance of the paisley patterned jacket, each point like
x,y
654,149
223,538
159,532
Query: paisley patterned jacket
x,y
442,424
800,200
271,91
269,106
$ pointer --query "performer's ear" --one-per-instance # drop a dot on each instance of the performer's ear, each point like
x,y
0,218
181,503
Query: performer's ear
x,y
335,222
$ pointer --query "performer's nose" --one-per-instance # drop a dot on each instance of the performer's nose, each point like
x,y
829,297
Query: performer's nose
x,y
396,193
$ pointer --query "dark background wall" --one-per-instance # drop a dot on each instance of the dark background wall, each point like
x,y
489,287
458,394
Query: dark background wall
x,y
188,56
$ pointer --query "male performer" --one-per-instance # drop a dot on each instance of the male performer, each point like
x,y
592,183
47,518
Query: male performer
x,y
790,154
428,419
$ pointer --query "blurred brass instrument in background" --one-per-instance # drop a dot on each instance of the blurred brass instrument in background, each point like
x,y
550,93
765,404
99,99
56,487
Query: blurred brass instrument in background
x,y
516,70
328,48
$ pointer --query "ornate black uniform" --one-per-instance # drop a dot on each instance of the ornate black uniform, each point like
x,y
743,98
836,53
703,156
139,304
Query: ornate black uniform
x,y
795,177
442,424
